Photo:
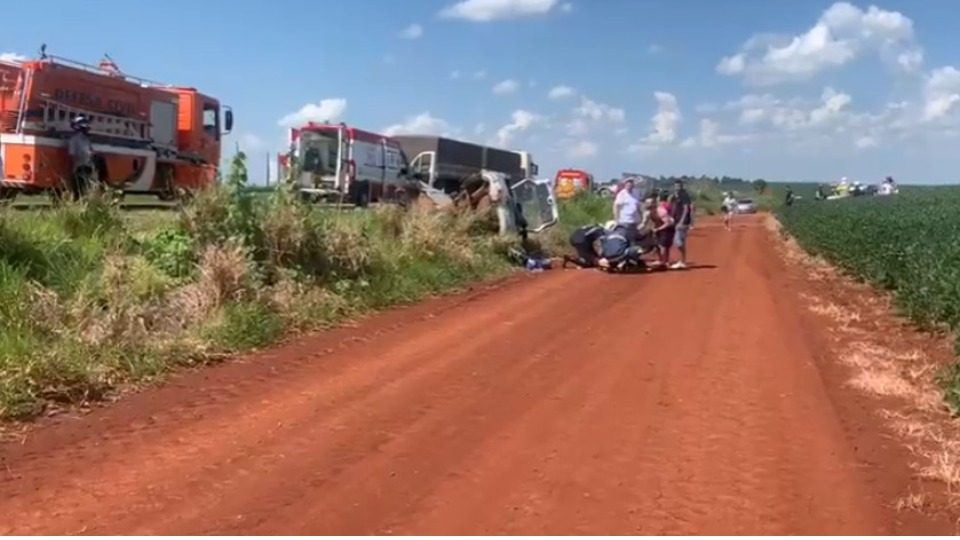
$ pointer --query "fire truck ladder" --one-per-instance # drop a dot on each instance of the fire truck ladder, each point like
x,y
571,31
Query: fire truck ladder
x,y
57,117
24,83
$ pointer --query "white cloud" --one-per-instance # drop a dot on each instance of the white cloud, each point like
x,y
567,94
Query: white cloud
x,y
666,121
590,115
12,57
326,110
664,125
865,141
599,111
832,107
910,60
824,124
507,86
578,126
454,75
520,121
421,124
583,149
710,135
941,93
493,10
843,33
560,92
413,31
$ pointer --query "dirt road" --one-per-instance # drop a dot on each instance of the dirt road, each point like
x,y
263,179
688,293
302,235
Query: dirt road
x,y
569,402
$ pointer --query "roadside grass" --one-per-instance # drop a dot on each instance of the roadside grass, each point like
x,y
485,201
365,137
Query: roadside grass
x,y
583,209
93,299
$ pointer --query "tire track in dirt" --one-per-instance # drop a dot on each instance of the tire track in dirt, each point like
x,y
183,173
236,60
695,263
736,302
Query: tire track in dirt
x,y
573,402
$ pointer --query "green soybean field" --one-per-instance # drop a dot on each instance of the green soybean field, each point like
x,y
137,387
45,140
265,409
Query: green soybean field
x,y
908,244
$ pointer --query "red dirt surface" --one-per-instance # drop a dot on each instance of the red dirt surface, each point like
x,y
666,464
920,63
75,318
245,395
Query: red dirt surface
x,y
571,402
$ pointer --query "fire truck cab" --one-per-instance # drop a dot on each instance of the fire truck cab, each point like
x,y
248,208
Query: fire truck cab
x,y
339,162
147,137
569,182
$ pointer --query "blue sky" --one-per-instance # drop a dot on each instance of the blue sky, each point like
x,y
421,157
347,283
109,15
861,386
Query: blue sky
x,y
796,91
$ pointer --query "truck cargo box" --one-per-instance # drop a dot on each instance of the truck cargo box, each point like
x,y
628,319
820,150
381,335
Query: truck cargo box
x,y
458,158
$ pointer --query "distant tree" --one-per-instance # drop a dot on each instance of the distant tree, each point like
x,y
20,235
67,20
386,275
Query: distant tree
x,y
760,185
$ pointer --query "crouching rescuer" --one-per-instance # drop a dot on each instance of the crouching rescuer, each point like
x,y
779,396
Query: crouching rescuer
x,y
609,248
584,241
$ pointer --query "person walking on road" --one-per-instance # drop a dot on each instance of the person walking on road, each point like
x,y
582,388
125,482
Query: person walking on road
x,y
682,217
729,208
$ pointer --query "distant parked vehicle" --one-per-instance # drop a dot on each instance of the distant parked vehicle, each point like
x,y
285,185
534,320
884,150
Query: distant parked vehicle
x,y
746,206
608,188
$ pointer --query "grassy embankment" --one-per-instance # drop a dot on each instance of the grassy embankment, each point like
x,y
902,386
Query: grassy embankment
x,y
93,299
908,244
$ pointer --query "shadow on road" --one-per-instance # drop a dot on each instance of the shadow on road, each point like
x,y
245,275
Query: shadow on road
x,y
649,270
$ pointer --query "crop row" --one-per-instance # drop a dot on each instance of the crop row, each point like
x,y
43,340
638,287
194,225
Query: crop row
x,y
908,244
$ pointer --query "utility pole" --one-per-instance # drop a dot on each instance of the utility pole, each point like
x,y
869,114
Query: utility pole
x,y
267,164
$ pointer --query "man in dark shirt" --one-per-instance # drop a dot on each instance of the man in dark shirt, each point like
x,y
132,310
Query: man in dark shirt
x,y
682,211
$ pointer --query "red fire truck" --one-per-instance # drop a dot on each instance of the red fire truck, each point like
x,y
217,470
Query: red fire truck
x,y
569,182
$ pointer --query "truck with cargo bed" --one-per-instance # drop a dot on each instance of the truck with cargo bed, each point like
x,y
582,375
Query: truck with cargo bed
x,y
349,165
442,163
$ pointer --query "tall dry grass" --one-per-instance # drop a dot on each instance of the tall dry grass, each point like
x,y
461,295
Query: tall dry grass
x,y
90,302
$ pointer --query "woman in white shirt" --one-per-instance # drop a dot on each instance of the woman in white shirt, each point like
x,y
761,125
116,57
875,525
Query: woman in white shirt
x,y
626,210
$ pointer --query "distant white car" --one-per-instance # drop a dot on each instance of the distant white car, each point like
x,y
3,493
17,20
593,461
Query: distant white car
x,y
746,206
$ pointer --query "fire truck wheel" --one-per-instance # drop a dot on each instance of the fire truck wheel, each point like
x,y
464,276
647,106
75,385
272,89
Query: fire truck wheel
x,y
7,194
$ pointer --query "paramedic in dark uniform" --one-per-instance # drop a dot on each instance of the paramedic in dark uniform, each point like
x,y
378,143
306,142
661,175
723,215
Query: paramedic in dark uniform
x,y
582,240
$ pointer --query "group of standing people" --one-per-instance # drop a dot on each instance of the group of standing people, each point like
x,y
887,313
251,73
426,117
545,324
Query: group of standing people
x,y
667,216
